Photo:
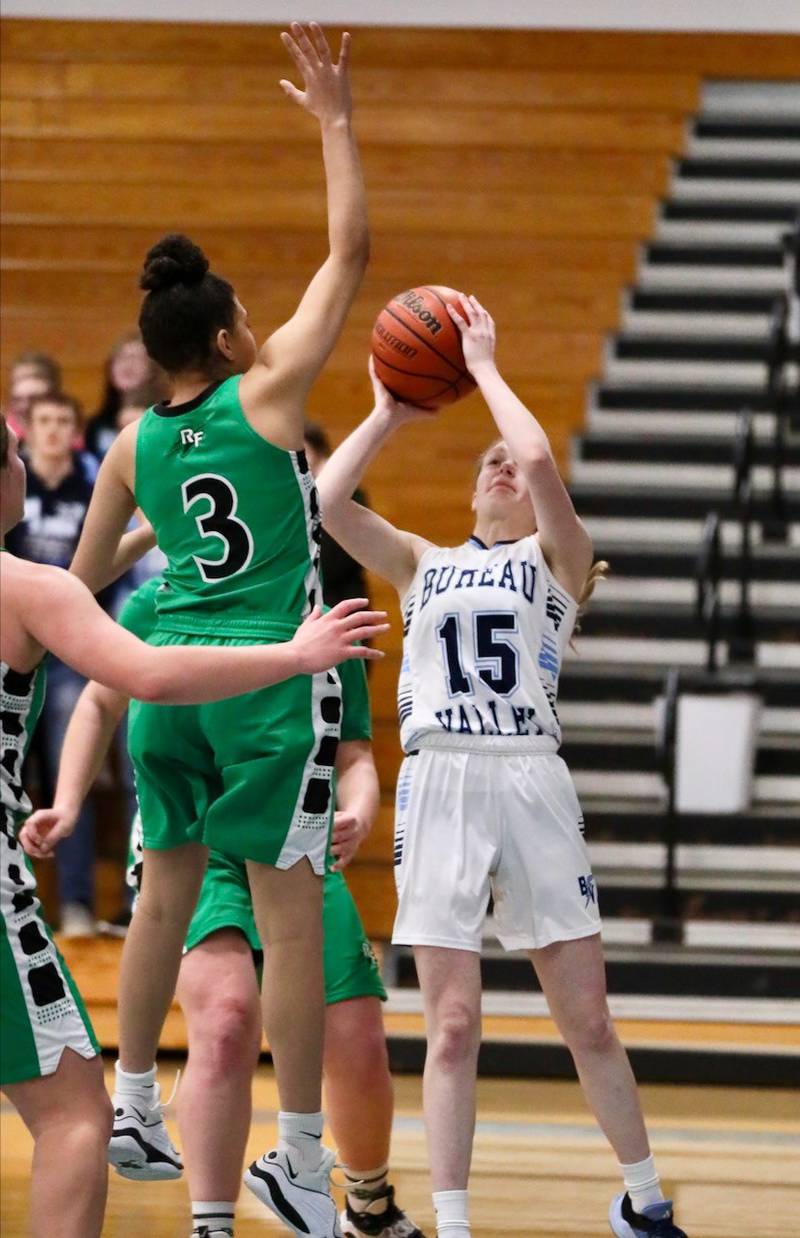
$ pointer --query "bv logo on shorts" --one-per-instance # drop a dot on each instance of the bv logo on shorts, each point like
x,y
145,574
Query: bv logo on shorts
x,y
587,889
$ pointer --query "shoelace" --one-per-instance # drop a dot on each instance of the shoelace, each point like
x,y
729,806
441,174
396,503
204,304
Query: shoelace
x,y
157,1103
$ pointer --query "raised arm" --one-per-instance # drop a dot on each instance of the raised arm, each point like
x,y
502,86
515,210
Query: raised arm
x,y
293,356
565,543
91,728
373,541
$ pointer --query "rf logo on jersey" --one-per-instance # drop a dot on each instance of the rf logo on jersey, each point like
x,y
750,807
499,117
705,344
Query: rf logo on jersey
x,y
192,438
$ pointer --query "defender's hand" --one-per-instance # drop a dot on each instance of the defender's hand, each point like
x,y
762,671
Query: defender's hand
x,y
44,829
349,832
327,85
322,641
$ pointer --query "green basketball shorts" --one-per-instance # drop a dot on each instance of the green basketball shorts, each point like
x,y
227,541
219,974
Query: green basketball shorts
x,y
42,1011
250,776
351,969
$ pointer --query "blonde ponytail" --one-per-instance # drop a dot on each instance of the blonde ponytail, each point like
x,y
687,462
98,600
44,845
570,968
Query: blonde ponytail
x,y
597,572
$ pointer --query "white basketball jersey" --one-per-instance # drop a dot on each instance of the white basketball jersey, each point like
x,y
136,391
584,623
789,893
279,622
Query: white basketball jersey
x,y
485,630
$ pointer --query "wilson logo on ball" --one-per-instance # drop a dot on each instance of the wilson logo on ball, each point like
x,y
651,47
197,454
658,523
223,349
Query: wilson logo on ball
x,y
414,302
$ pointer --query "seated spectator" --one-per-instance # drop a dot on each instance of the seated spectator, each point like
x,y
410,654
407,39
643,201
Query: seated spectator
x,y
32,374
342,577
58,494
133,383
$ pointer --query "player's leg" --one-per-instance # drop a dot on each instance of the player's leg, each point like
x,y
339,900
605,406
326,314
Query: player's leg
x,y
293,1179
450,982
171,761
573,979
171,882
445,850
359,1097
275,751
49,1063
69,1115
218,992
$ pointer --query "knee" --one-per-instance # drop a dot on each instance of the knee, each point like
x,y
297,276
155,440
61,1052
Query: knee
x,y
84,1128
356,1045
225,1037
456,1034
594,1033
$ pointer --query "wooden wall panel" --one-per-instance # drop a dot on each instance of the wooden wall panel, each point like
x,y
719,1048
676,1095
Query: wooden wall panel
x,y
523,166
725,55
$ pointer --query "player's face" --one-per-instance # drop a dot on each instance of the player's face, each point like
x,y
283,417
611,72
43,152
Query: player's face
x,y
12,485
500,489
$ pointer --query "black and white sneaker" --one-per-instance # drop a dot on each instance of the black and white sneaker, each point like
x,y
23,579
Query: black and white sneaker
x,y
392,1222
140,1147
205,1232
299,1197
654,1221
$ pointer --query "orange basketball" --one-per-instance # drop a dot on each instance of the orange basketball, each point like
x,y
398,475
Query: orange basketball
x,y
417,348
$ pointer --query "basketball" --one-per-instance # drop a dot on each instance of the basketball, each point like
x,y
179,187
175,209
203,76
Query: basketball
x,y
417,350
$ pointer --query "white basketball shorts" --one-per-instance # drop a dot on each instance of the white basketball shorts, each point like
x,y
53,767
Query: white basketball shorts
x,y
473,823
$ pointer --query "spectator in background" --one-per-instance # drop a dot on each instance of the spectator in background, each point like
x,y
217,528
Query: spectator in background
x,y
32,374
57,496
133,383
342,577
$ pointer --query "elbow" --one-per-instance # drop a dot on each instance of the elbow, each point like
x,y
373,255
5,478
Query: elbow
x,y
154,685
355,251
537,460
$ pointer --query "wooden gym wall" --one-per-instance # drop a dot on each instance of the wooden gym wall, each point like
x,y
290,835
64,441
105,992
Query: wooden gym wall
x,y
522,166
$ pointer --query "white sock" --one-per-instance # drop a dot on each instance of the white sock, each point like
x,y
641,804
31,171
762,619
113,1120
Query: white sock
x,y
129,1084
302,1133
452,1214
642,1183
213,1213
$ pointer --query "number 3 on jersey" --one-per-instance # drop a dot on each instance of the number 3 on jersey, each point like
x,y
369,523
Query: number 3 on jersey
x,y
496,659
220,521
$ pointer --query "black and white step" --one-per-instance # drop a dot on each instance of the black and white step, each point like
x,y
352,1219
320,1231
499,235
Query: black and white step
x,y
642,423
725,98
652,475
703,301
637,652
629,821
681,398
673,448
587,681
644,534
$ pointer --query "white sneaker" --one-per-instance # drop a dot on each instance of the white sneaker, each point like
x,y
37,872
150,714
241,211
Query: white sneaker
x,y
140,1147
77,921
301,1198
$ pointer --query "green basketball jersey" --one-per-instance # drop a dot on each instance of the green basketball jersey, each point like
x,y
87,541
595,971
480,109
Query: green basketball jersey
x,y
139,615
237,518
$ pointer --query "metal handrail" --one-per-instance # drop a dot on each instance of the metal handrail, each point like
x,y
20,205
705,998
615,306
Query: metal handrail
x,y
708,575
742,643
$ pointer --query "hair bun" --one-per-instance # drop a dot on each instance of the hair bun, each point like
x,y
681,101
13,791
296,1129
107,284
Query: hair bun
x,y
174,260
